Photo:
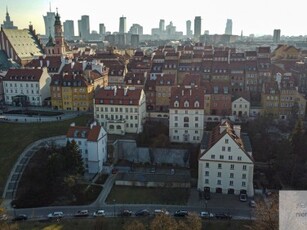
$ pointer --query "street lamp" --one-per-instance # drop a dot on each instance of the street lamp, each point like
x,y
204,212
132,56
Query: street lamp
x,y
114,207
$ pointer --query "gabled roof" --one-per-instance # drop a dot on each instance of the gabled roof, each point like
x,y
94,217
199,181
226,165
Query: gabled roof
x,y
23,75
91,134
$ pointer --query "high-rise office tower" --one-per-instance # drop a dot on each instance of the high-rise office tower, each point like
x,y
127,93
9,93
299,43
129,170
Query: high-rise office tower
x,y
197,27
49,20
136,29
162,25
69,30
84,27
189,31
102,29
228,28
8,24
276,36
122,25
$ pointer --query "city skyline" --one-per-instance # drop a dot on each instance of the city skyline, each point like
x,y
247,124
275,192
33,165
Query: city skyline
x,y
259,19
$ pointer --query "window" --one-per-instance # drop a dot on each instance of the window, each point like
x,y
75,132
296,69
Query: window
x,y
212,156
186,119
229,157
239,158
206,173
221,157
244,167
226,141
219,174
231,175
207,165
219,166
206,181
223,148
231,183
243,184
219,182
176,118
232,166
243,176
229,149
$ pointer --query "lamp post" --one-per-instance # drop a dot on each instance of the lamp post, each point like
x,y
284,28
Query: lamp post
x,y
114,207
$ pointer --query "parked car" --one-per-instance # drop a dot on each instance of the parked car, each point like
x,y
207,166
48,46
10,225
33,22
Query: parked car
x,y
55,215
206,215
142,212
252,204
99,212
20,217
153,170
125,212
181,213
223,216
161,211
82,213
243,197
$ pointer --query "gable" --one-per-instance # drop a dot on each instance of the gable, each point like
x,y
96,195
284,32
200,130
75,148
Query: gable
x,y
227,146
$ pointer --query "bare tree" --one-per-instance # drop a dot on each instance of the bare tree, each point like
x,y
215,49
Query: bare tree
x,y
134,225
163,222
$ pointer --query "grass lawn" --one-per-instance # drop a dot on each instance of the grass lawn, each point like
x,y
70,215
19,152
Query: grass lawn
x,y
14,138
118,223
143,195
102,179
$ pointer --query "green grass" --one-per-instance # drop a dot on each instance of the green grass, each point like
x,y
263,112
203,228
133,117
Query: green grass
x,y
14,138
143,195
118,223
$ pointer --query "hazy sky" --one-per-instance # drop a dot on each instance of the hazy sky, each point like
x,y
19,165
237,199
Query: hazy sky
x,y
258,17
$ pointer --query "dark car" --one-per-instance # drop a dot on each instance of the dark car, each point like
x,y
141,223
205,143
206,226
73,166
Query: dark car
x,y
142,212
223,216
20,217
125,212
181,213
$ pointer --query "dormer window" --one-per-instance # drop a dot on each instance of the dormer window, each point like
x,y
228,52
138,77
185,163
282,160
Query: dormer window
x,y
176,104
186,104
196,104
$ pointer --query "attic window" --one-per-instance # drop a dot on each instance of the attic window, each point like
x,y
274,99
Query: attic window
x,y
176,104
186,104
196,104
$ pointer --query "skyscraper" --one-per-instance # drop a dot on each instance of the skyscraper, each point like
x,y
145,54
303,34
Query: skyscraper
x,y
197,27
228,29
49,20
102,29
69,30
122,25
189,31
84,27
136,29
276,36
8,24
162,25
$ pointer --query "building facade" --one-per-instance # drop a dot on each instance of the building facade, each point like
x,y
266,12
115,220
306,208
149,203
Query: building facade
x,y
226,164
92,142
120,110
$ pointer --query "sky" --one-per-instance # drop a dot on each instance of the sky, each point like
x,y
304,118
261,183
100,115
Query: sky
x,y
259,17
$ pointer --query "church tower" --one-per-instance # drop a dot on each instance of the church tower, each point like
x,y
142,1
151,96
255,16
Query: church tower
x,y
59,47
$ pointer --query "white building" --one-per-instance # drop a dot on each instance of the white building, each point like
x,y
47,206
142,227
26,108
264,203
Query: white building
x,y
186,114
26,86
226,164
240,107
92,142
120,110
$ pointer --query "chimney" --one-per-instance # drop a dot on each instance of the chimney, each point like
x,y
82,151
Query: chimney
x,y
182,92
125,91
48,63
41,63
115,91
237,130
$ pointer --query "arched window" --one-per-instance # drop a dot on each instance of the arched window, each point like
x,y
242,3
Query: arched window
x,y
186,119
118,127
111,126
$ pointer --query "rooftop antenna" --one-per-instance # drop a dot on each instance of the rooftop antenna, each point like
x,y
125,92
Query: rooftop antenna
x,y
49,6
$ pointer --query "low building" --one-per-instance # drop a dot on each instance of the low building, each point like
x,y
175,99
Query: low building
x,y
92,142
26,87
226,163
120,110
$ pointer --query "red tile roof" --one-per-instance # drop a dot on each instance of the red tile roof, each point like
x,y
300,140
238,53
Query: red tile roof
x,y
91,134
190,94
23,75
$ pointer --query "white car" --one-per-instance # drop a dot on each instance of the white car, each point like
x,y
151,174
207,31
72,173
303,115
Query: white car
x,y
55,215
161,211
206,215
99,212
